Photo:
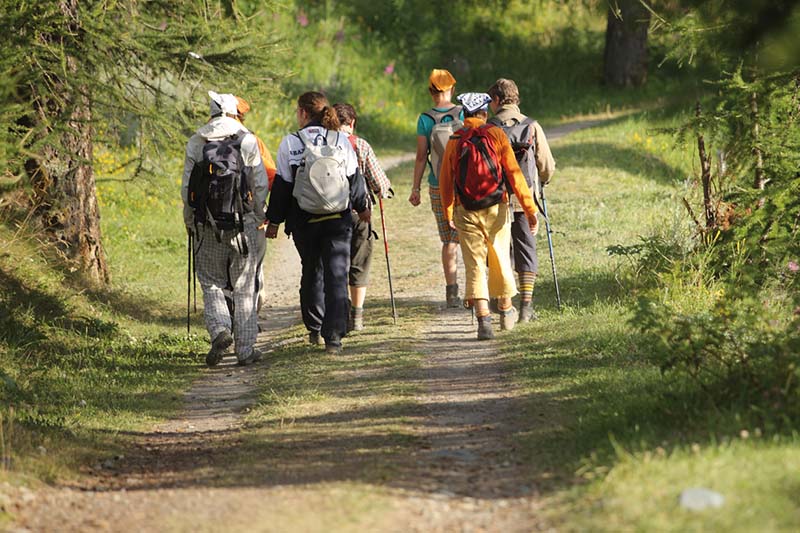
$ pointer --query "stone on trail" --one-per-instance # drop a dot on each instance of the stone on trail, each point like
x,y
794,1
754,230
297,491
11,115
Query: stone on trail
x,y
699,499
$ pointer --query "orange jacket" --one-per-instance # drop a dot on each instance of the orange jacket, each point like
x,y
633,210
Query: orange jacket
x,y
508,162
266,158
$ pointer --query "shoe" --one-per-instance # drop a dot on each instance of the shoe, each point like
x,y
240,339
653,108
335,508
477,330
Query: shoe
x,y
485,331
333,348
254,357
451,292
508,318
355,323
219,345
526,313
314,339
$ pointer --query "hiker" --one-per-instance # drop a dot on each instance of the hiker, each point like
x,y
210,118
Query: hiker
x,y
361,245
536,161
242,108
317,185
478,167
431,139
224,190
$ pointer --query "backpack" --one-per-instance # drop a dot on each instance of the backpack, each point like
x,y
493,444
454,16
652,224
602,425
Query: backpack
x,y
321,186
523,142
219,192
479,177
441,134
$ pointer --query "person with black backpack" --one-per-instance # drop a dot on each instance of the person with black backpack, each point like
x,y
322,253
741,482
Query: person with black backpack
x,y
224,190
317,185
536,161
434,128
479,172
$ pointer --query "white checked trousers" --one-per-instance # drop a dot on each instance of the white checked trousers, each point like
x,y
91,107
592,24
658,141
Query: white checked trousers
x,y
215,261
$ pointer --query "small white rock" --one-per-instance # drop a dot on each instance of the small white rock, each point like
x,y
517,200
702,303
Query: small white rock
x,y
699,499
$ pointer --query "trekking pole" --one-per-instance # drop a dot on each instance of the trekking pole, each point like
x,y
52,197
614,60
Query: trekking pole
x,y
189,284
549,230
194,276
388,267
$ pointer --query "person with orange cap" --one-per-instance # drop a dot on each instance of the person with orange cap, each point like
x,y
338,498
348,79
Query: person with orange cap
x,y
441,85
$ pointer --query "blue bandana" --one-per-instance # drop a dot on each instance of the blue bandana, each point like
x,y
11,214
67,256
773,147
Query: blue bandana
x,y
473,102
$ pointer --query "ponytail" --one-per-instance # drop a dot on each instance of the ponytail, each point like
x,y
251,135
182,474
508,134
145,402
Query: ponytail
x,y
319,109
330,120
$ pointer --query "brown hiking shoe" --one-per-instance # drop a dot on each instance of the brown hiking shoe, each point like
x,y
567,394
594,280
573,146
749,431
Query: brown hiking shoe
x,y
254,357
526,312
314,339
453,301
485,331
508,318
219,345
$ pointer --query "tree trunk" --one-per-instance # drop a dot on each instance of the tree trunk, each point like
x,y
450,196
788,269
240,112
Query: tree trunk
x,y
63,179
625,56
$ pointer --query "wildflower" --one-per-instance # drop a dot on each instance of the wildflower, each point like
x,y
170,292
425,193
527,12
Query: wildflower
x,y
302,18
793,266
389,68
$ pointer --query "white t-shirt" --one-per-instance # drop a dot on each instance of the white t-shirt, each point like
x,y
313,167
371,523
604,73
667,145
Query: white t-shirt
x,y
290,151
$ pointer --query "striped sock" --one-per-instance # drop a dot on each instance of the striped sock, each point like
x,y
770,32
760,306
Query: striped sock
x,y
526,281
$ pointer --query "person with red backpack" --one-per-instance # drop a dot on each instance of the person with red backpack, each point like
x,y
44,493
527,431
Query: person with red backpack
x,y
434,128
536,161
361,245
479,172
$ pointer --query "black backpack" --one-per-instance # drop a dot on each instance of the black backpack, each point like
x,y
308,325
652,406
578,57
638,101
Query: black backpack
x,y
523,141
219,192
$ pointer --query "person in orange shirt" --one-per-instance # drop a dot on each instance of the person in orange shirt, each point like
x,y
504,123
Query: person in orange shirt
x,y
485,233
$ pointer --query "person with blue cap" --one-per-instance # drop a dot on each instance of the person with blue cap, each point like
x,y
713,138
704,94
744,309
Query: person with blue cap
x,y
478,169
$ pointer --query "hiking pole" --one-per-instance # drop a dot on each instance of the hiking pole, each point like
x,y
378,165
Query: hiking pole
x,y
549,230
189,284
388,267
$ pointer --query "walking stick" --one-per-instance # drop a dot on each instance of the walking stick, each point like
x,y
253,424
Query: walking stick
x,y
549,230
189,284
388,267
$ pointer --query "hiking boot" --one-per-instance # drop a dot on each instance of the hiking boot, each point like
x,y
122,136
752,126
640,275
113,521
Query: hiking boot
x,y
526,312
254,357
355,322
314,339
333,347
485,331
219,345
508,318
453,301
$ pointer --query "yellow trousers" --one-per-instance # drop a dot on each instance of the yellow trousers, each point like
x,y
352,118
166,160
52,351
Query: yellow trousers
x,y
485,238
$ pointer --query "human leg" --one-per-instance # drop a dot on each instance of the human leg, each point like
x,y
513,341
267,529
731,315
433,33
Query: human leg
x,y
361,246
334,246
244,271
312,302
450,239
525,263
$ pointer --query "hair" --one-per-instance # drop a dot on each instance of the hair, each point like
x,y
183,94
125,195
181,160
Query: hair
x,y
505,90
483,112
316,105
346,113
434,90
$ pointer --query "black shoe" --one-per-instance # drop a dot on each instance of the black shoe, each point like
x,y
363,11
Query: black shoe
x,y
485,331
254,357
219,345
314,339
526,313
451,295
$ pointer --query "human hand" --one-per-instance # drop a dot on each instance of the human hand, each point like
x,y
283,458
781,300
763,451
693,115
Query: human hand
x,y
414,197
451,224
533,223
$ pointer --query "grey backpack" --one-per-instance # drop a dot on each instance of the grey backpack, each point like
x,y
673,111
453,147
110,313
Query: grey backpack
x,y
321,186
442,130
523,141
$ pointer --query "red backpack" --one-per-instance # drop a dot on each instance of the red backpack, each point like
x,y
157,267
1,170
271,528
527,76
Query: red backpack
x,y
479,177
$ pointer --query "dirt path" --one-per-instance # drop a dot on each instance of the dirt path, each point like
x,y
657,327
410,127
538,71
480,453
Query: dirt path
x,y
465,475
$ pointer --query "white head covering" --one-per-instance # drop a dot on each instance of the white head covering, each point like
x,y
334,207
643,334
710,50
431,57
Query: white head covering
x,y
473,102
223,103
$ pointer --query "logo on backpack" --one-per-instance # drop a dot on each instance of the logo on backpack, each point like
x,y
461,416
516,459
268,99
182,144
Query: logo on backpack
x,y
321,186
443,129
219,192
479,177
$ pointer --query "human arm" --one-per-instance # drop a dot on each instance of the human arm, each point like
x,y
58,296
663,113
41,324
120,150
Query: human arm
x,y
255,174
420,164
194,150
515,178
377,181
545,163
446,183
359,198
280,199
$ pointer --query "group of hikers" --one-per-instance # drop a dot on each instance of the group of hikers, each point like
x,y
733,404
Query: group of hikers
x,y
482,178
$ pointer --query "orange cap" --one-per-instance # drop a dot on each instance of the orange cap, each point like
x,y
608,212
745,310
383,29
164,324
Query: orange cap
x,y
441,79
242,106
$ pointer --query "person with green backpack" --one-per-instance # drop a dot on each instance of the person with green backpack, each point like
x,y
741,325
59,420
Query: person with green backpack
x,y
479,173
536,161
316,187
434,128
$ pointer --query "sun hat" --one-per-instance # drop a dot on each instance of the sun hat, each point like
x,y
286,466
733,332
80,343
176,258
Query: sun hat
x,y
222,103
441,79
473,102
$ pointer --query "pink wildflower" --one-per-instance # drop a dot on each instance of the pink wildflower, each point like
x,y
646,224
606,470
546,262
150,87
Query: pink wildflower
x,y
389,68
302,18
793,266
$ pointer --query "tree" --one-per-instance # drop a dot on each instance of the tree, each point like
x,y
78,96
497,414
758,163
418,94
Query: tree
x,y
71,66
625,56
